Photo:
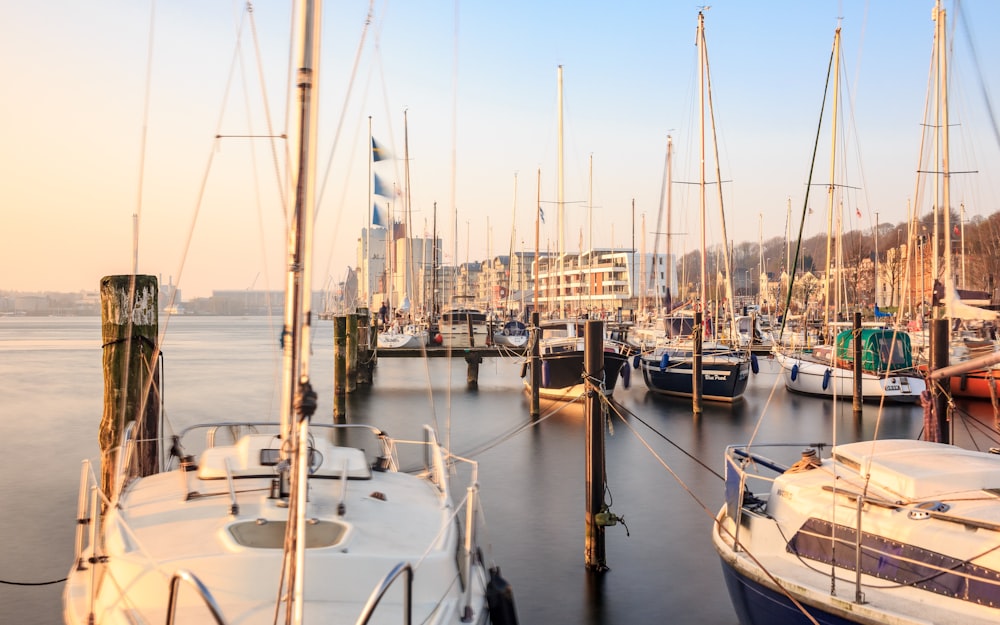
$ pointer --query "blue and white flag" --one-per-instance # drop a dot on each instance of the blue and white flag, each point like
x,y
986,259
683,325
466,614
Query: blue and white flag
x,y
541,214
381,189
379,153
378,216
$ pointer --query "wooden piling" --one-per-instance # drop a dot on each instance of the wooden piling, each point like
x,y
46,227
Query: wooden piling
x,y
858,371
536,365
940,334
696,361
594,549
352,352
366,359
129,327
339,368
472,374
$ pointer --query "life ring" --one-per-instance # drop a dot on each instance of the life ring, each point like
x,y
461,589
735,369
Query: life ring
x,y
795,371
502,292
664,360
754,365
826,378
635,361
626,376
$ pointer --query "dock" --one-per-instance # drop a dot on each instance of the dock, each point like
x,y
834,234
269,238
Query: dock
x,y
452,352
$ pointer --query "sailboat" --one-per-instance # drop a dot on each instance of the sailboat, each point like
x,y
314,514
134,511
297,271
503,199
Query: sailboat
x,y
246,521
669,369
880,531
561,341
828,370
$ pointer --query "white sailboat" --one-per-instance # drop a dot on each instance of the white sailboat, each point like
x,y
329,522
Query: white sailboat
x,y
880,531
827,371
669,368
244,522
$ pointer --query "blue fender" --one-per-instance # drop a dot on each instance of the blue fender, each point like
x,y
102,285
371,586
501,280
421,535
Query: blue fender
x,y
664,361
754,365
626,376
635,361
546,374
826,378
795,371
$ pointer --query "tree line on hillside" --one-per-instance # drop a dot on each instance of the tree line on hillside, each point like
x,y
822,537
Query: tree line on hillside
x,y
982,262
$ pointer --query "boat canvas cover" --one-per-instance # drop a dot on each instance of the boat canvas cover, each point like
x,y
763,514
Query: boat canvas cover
x,y
881,349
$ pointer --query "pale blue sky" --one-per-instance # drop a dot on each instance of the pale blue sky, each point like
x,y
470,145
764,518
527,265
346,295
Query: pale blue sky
x,y
72,121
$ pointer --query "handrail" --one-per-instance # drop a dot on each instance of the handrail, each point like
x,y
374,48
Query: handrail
x,y
206,596
383,587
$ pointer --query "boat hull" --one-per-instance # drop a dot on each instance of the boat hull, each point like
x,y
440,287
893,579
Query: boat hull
x,y
562,375
757,604
724,378
819,379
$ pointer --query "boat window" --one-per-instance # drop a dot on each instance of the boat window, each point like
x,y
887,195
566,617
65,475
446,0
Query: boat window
x,y
901,563
893,353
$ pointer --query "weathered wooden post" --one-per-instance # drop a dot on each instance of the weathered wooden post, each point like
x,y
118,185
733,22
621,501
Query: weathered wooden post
x,y
366,354
858,369
339,368
696,362
468,323
473,359
352,352
129,326
594,368
940,334
536,364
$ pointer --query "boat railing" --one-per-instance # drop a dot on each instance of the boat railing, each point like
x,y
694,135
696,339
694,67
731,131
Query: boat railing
x,y
183,575
743,467
403,568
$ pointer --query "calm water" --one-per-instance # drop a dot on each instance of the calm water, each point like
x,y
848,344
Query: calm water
x,y
532,480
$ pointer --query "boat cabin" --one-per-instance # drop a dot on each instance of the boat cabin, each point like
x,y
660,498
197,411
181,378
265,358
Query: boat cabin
x,y
881,350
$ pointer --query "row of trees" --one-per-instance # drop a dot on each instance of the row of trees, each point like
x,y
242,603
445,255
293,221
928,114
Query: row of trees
x,y
982,261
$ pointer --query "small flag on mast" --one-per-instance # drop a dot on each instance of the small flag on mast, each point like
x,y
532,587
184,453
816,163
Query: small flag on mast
x,y
380,188
378,215
541,214
379,153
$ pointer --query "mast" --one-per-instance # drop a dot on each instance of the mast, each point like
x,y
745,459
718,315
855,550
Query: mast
x,y
833,171
298,399
668,264
701,136
538,260
562,206
407,216
945,204
369,209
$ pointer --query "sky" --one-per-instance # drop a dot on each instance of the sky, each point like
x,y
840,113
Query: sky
x,y
112,109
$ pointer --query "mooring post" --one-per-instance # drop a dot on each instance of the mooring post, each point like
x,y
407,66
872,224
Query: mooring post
x,y
696,377
536,365
339,368
129,327
352,352
940,334
468,324
366,355
858,370
594,370
473,359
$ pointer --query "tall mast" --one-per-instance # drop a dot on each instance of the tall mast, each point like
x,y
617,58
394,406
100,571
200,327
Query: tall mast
x,y
298,399
407,214
833,171
668,265
562,206
701,180
945,205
